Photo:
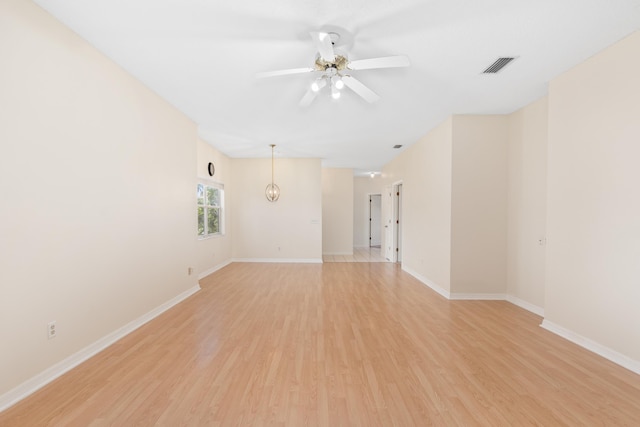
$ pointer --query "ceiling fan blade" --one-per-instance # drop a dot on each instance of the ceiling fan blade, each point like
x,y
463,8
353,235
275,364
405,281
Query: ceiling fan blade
x,y
284,72
360,89
308,98
324,45
383,62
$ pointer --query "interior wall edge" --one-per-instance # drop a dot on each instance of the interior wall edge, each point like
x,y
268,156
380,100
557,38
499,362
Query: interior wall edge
x,y
477,297
35,383
435,287
213,269
597,348
526,305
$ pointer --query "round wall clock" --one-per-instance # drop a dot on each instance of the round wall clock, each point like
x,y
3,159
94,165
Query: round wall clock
x,y
211,169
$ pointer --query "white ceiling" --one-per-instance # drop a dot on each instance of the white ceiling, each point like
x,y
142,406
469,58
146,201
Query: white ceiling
x,y
203,56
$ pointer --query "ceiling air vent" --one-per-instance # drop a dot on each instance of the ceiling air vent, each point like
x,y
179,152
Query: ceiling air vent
x,y
397,146
498,65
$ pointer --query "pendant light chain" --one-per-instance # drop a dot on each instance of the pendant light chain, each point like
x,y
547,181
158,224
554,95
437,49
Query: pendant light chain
x,y
273,191
272,147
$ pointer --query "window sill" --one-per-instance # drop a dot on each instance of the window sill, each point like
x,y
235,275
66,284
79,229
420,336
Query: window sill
x,y
211,236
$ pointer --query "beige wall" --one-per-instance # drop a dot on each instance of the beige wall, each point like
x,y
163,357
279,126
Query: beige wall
x,y
527,202
362,188
593,223
425,172
479,205
289,229
337,211
215,251
97,176
454,235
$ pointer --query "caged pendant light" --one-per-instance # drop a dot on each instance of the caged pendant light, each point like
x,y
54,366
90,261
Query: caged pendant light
x,y
273,191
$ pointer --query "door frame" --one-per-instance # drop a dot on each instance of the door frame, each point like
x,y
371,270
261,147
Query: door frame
x,y
368,217
387,219
396,217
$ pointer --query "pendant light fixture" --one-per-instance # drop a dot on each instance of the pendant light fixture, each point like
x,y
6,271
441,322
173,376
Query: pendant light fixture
x,y
273,191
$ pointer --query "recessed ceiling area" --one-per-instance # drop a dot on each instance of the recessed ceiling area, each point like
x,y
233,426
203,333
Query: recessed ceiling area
x,y
204,58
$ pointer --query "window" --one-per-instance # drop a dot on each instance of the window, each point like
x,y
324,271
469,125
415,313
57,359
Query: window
x,y
210,201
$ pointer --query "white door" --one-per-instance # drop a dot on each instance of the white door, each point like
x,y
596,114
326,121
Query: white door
x,y
387,215
375,220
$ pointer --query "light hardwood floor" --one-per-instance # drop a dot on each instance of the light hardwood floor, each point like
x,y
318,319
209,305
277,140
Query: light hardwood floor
x,y
371,254
336,344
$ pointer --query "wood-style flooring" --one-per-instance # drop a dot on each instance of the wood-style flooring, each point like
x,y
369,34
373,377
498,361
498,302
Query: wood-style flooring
x,y
371,254
336,344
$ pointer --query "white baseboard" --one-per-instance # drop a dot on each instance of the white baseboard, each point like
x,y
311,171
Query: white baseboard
x,y
599,349
501,297
526,305
427,282
281,260
213,270
477,297
337,253
30,386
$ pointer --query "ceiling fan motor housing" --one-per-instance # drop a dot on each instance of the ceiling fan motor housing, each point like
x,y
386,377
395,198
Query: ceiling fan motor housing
x,y
340,63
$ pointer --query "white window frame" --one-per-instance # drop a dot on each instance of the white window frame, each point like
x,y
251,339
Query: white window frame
x,y
220,207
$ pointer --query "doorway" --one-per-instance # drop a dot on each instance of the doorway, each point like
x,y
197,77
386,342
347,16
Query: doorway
x,y
375,220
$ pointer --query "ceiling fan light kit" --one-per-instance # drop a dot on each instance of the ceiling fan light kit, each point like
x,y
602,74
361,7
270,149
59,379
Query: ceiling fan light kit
x,y
335,92
318,84
333,66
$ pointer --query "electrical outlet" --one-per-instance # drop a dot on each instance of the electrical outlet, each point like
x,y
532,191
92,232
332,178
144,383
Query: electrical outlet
x,y
51,329
190,271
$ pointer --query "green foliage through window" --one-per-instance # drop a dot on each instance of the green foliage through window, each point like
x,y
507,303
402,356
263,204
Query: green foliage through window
x,y
209,210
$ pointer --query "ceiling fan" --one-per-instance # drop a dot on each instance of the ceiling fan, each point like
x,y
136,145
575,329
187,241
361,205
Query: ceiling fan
x,y
334,69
